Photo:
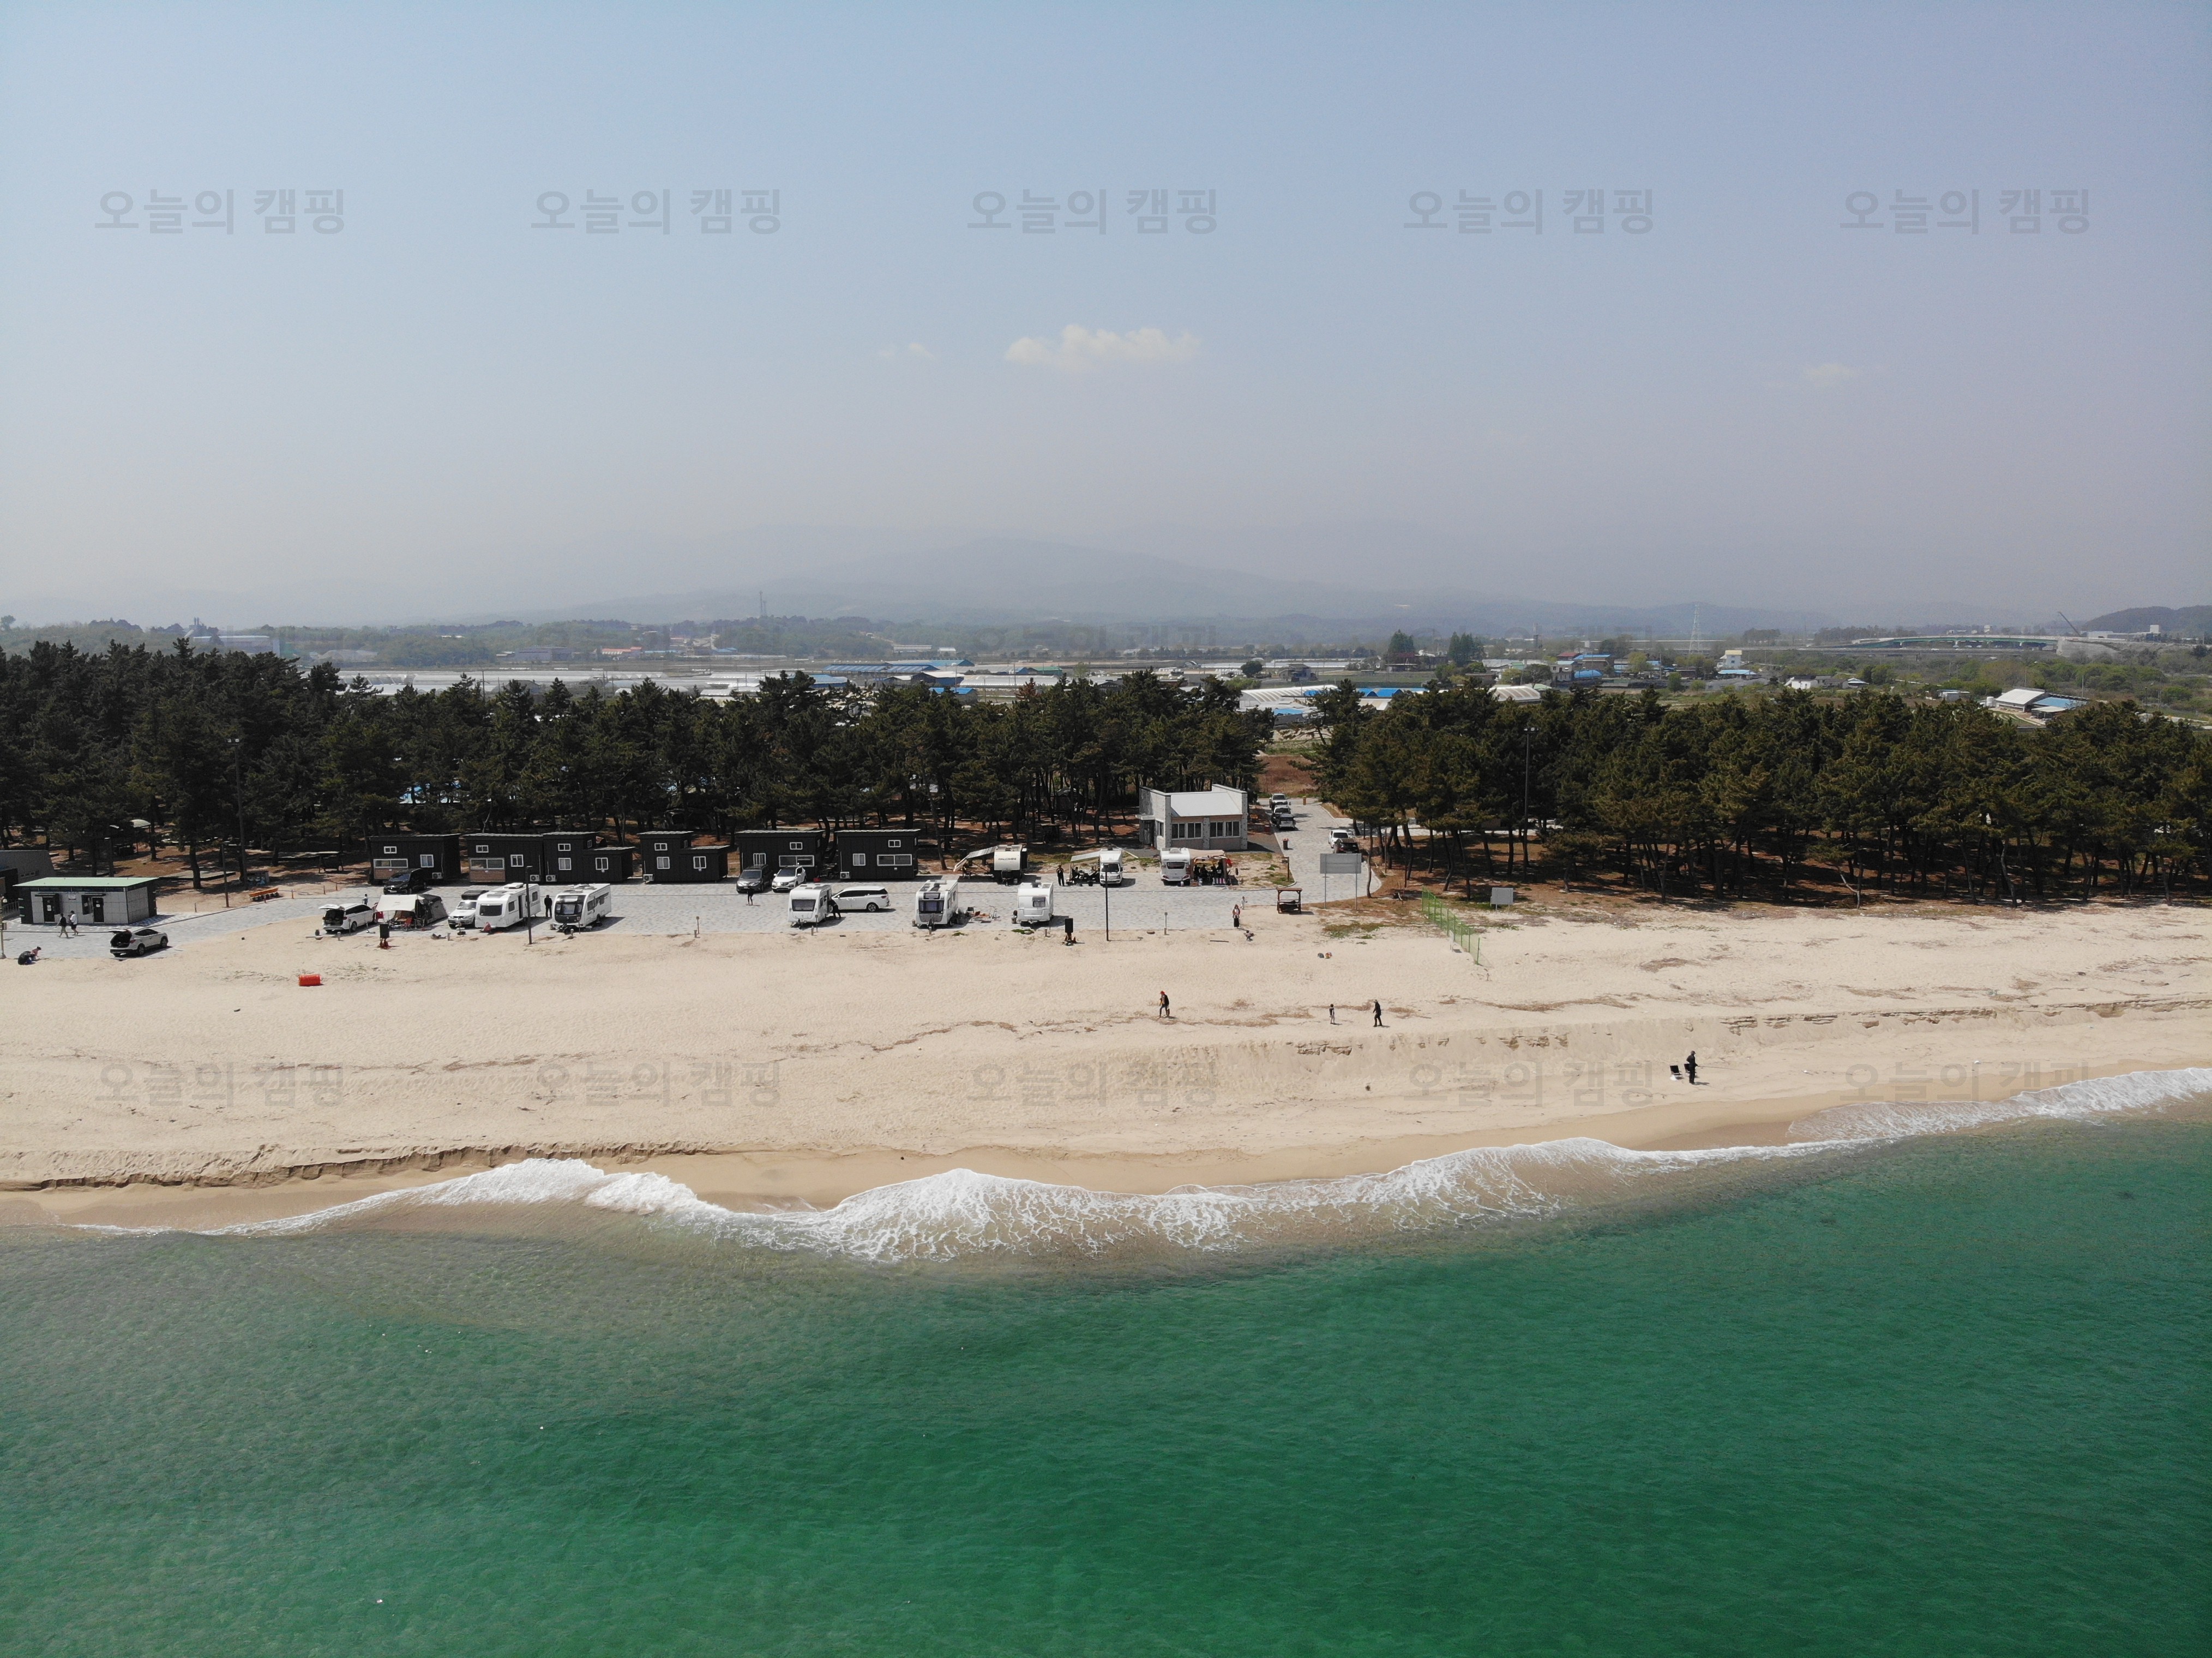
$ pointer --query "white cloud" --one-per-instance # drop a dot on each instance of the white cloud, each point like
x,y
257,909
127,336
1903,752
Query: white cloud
x,y
1079,348
1822,376
914,350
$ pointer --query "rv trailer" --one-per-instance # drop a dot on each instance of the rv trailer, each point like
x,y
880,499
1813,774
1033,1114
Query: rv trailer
x,y
577,908
937,904
811,904
1033,904
512,905
1175,866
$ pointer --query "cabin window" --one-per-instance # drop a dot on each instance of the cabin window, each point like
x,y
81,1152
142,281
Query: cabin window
x,y
427,860
388,851
660,862
860,860
894,843
514,860
699,863
560,863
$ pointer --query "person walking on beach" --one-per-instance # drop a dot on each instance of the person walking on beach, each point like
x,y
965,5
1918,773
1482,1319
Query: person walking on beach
x,y
1331,1012
1164,1014
1690,1067
1378,1014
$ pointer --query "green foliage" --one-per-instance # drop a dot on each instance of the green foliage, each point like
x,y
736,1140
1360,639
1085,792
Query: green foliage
x,y
201,744
1712,796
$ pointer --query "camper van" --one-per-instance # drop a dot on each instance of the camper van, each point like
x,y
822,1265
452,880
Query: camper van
x,y
575,908
1113,868
1175,866
811,904
412,909
1033,905
513,905
1009,863
351,916
936,904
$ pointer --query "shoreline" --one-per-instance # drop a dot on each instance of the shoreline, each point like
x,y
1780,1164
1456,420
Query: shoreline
x,y
761,1181
772,1070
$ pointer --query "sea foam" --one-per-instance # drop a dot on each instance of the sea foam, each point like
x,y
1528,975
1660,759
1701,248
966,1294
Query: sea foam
x,y
962,1213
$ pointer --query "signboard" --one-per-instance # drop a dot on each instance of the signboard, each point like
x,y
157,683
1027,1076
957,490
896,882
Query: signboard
x,y
1342,863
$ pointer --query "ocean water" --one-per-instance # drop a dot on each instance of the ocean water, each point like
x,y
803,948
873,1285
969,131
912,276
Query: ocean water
x,y
1880,1391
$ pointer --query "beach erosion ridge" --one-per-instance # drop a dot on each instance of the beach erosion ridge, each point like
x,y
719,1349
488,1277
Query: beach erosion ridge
x,y
787,1074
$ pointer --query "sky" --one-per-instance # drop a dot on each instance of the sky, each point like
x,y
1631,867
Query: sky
x,y
1707,388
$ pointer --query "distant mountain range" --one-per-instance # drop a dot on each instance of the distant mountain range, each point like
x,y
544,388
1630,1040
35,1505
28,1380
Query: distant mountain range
x,y
995,581
2189,619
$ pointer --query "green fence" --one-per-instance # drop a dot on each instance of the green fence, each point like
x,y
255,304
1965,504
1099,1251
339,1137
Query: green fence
x,y
1457,928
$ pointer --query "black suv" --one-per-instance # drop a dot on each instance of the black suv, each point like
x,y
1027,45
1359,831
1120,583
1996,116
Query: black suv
x,y
415,880
753,879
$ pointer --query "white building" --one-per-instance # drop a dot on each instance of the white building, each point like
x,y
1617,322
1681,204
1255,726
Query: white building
x,y
1209,820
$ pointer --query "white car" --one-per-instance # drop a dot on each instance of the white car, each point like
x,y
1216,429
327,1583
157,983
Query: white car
x,y
351,916
868,899
788,878
136,941
464,913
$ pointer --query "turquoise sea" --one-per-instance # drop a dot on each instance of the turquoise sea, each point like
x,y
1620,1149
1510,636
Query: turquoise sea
x,y
1937,1395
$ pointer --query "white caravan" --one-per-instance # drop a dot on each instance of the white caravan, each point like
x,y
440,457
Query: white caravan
x,y
1033,904
1175,866
937,903
811,904
1009,863
513,905
577,908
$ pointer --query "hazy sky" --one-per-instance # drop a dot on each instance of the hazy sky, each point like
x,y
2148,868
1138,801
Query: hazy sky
x,y
1744,402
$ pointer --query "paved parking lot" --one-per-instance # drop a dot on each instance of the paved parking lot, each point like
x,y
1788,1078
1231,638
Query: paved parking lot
x,y
1145,905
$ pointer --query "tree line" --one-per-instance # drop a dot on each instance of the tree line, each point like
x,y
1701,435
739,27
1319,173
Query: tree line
x,y
1729,795
223,750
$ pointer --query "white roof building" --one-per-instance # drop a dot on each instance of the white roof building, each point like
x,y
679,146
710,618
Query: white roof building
x,y
1211,820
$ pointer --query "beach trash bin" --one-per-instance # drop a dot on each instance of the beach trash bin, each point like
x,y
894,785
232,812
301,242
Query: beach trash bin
x,y
307,979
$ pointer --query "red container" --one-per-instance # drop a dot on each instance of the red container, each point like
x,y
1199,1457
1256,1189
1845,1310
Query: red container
x,y
311,979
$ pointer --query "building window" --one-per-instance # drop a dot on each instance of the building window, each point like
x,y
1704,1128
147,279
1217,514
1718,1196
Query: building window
x,y
660,862
894,843
896,860
514,860
700,862
389,851
860,860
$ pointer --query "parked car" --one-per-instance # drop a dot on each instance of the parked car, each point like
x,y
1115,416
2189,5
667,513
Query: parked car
x,y
753,879
786,879
464,912
415,880
867,899
351,916
136,941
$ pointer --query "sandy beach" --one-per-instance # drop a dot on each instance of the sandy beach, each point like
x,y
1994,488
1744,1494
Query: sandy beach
x,y
207,1085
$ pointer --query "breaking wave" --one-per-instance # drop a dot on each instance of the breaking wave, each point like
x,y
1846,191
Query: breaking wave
x,y
961,1213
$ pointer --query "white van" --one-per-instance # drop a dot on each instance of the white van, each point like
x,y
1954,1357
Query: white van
x,y
351,916
1175,866
513,905
811,904
575,908
866,899
410,909
464,907
1113,868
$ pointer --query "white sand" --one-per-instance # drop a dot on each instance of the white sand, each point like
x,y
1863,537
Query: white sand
x,y
803,1066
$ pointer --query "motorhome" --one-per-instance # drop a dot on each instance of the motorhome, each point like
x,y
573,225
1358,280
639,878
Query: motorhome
x,y
1033,905
936,904
351,916
410,909
1113,867
811,904
1175,866
513,905
577,908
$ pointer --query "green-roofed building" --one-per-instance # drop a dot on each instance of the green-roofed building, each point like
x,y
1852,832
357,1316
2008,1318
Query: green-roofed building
x,y
88,900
